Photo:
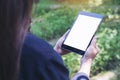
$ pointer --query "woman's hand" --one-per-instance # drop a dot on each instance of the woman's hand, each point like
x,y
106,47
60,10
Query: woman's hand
x,y
58,45
92,50
88,57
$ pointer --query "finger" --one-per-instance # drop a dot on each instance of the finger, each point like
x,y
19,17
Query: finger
x,y
98,49
96,45
60,41
93,43
66,33
96,37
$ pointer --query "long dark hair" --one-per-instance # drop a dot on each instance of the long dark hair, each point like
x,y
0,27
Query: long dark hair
x,y
14,16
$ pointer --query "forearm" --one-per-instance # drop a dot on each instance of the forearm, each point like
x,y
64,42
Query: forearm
x,y
84,72
85,66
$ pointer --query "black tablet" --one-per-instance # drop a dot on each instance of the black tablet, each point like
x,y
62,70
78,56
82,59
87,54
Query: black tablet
x,y
82,32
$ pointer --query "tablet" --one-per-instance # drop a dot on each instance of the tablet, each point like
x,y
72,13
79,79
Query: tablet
x,y
82,32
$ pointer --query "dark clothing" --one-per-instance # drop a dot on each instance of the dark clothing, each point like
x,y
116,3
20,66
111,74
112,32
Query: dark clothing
x,y
39,61
80,76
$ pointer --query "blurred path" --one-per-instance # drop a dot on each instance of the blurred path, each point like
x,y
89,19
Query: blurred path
x,y
105,76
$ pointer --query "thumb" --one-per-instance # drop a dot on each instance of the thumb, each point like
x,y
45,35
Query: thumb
x,y
65,34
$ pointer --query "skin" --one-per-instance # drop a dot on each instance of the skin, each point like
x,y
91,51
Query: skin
x,y
58,45
87,59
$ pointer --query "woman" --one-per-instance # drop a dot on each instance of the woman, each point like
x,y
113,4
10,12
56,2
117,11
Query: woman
x,y
14,23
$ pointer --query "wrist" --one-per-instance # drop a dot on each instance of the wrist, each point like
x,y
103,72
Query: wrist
x,y
86,60
85,65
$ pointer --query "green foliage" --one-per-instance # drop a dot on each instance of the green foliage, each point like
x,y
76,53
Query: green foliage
x,y
111,2
72,61
53,24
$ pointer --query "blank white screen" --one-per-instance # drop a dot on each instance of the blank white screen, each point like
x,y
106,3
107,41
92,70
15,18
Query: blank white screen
x,y
82,32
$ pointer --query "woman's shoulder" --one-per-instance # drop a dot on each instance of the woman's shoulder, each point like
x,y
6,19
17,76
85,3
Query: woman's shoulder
x,y
36,47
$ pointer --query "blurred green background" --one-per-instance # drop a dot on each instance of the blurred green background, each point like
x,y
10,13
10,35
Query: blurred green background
x,y
52,18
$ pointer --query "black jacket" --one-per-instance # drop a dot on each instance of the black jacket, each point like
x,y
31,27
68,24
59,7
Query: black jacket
x,y
39,61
